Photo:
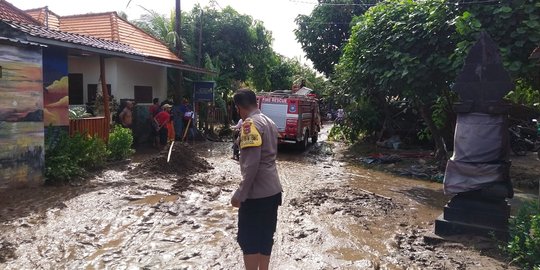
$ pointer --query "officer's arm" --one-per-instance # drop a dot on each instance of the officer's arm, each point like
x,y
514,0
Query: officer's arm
x,y
251,157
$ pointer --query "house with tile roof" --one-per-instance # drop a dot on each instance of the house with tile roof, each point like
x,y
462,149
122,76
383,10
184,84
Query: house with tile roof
x,y
49,62
140,80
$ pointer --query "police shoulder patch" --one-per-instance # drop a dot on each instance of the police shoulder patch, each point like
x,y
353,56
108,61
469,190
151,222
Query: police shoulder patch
x,y
250,136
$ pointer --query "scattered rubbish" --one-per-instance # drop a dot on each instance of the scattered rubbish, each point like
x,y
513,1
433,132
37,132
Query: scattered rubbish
x,y
381,159
392,143
421,171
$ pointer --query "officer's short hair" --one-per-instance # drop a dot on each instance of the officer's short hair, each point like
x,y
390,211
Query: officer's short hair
x,y
245,98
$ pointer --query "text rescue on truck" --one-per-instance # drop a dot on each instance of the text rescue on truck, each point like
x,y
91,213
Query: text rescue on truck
x,y
296,114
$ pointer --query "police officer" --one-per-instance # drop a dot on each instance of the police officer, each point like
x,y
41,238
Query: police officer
x,y
259,194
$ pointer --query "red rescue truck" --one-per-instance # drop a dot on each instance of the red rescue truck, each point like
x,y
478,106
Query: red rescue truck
x,y
295,114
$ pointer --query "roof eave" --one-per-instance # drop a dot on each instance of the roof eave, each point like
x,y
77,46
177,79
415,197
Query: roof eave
x,y
58,43
179,66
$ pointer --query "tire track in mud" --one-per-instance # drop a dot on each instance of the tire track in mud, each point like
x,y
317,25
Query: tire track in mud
x,y
319,212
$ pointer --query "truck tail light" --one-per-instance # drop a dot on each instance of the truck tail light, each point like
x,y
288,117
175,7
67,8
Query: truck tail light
x,y
291,126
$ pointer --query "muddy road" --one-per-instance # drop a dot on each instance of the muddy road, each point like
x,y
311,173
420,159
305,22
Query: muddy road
x,y
334,216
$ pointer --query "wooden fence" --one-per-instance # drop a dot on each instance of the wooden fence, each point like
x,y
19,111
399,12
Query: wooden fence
x,y
94,126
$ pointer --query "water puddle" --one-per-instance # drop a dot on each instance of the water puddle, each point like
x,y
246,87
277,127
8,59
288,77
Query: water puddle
x,y
156,198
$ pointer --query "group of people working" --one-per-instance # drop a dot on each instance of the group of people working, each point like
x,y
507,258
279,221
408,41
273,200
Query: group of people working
x,y
170,121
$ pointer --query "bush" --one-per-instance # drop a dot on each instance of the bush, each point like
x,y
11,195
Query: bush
x,y
120,141
92,151
60,166
362,119
68,157
524,244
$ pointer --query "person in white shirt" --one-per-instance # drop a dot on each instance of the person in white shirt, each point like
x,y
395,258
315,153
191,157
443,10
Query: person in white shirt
x,y
340,116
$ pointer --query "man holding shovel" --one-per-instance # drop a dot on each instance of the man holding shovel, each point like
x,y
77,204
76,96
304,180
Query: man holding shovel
x,y
161,120
259,194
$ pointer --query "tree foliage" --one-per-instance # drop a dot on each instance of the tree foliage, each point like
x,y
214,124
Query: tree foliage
x,y
323,33
235,45
411,51
401,49
514,26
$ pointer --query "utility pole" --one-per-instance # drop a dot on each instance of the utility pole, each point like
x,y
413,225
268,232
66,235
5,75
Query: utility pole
x,y
200,37
178,29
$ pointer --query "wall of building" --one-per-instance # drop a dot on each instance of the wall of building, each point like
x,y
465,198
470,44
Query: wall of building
x,y
122,74
131,74
21,116
89,67
55,84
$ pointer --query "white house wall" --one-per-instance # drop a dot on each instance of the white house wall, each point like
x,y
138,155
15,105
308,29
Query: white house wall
x,y
122,74
131,73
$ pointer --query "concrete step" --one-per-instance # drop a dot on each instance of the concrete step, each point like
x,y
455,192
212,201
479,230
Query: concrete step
x,y
445,227
494,219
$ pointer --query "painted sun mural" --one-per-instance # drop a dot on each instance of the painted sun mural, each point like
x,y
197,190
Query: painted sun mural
x,y
21,116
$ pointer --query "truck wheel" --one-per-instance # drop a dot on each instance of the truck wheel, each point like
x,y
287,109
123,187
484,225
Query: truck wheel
x,y
315,138
302,145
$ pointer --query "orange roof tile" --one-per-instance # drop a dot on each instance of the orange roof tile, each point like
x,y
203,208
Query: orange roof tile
x,y
9,12
42,32
45,17
113,27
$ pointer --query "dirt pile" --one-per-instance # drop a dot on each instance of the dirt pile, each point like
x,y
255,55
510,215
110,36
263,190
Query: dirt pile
x,y
184,161
347,201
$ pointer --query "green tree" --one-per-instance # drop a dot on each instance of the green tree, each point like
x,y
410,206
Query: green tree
x,y
514,26
323,33
162,26
401,50
263,59
235,45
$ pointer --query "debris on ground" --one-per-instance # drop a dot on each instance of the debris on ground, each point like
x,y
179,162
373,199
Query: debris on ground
x,y
346,200
392,143
7,251
420,171
381,159
184,161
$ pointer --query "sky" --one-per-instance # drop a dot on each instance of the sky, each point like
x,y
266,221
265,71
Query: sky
x,y
278,15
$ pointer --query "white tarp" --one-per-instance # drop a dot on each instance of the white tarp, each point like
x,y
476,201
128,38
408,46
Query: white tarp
x,y
481,150
462,177
480,138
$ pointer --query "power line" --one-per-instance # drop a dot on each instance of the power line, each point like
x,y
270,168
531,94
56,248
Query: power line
x,y
374,4
329,4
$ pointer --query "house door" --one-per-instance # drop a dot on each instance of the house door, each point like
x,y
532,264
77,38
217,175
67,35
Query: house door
x,y
75,88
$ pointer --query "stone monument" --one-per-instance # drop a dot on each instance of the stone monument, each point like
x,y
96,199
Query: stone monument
x,y
478,172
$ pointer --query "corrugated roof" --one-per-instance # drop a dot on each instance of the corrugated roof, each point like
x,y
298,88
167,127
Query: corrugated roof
x,y
110,26
50,34
9,12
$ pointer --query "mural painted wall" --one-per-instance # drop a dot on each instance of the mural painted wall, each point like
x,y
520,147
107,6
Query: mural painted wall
x,y
55,83
21,116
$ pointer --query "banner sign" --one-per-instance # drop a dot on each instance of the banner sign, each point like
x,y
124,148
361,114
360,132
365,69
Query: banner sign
x,y
203,91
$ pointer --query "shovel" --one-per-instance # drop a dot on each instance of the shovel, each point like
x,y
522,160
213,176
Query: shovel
x,y
170,151
187,129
